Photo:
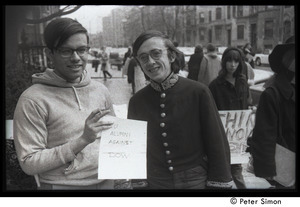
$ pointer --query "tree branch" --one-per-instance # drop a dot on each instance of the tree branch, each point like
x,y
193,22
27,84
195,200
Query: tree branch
x,y
64,11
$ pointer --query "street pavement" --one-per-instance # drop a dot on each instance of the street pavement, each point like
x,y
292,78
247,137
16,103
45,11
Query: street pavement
x,y
121,93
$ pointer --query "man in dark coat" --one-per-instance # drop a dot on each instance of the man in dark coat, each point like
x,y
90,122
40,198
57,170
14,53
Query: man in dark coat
x,y
194,63
187,147
275,114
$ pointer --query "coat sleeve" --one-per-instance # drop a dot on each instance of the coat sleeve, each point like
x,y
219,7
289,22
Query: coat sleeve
x,y
264,135
216,143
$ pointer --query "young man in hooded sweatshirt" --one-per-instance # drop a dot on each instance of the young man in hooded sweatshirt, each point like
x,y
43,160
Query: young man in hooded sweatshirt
x,y
57,120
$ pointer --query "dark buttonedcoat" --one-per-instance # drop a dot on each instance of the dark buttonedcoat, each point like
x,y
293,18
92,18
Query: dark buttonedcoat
x,y
183,120
229,97
265,132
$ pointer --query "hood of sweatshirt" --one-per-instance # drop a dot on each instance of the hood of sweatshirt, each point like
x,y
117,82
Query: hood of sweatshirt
x,y
50,78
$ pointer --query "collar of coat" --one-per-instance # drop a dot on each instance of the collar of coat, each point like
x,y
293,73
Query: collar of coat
x,y
169,82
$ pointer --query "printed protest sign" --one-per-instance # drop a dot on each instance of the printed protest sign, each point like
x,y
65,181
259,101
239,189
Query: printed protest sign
x,y
122,153
238,126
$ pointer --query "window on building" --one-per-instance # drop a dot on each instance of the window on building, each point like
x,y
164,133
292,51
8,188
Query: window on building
x,y
209,16
240,10
269,29
287,28
228,12
287,6
188,36
253,9
188,21
234,11
218,13
240,32
201,34
218,32
201,17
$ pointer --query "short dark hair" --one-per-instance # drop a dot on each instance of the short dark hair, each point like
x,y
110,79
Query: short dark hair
x,y
172,50
60,29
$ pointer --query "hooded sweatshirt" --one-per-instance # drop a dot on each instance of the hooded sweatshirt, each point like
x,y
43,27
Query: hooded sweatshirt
x,y
48,115
209,68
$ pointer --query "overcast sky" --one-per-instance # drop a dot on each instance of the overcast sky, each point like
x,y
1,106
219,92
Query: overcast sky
x,y
90,16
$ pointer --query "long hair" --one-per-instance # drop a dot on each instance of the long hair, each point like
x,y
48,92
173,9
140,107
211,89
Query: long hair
x,y
232,53
172,50
59,30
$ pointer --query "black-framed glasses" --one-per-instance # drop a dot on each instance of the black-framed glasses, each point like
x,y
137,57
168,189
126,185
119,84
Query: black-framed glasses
x,y
68,52
155,54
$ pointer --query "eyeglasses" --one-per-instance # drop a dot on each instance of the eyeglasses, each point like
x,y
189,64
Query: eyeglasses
x,y
155,54
68,52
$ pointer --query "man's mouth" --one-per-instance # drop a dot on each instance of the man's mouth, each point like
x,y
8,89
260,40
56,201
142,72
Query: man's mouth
x,y
154,69
75,66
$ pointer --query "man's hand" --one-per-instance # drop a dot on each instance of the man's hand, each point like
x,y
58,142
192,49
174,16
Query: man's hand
x,y
94,125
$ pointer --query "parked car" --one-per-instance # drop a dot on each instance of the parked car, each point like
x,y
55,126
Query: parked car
x,y
220,51
260,78
115,60
262,58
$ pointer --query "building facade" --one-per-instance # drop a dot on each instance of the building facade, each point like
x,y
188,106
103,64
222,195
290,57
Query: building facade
x,y
262,26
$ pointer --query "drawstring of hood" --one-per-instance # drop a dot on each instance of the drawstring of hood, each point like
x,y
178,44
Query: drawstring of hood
x,y
77,98
50,78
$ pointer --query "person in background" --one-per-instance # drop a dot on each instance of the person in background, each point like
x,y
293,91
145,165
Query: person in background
x,y
104,63
275,113
194,63
130,73
210,65
96,61
180,57
127,55
249,54
57,120
186,143
231,92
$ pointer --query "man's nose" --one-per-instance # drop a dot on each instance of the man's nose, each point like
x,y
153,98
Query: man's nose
x,y
150,59
75,56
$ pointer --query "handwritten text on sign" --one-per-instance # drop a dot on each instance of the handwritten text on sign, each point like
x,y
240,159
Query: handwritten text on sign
x,y
238,126
122,153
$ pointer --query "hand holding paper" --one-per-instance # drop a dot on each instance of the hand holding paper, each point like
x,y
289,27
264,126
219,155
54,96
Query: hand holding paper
x,y
94,124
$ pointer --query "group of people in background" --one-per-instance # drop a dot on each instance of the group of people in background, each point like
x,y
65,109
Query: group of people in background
x,y
101,58
57,132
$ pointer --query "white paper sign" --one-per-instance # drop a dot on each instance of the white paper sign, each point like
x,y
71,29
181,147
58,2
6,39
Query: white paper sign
x,y
9,129
238,126
122,153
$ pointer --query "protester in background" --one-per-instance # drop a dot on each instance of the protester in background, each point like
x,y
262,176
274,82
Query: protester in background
x,y
231,92
130,73
275,116
180,57
249,54
186,143
210,65
58,118
127,55
104,63
194,63
96,61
